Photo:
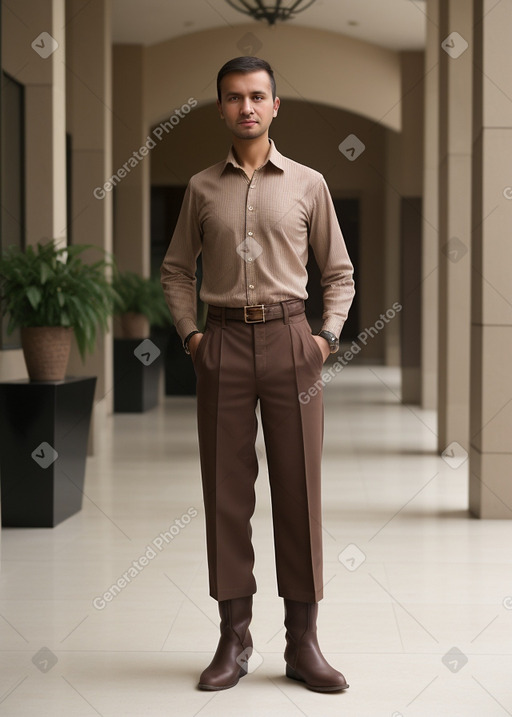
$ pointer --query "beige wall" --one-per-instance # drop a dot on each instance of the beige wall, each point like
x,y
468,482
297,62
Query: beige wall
x,y
321,67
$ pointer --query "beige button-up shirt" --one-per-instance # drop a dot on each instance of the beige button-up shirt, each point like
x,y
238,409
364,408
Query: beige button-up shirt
x,y
253,233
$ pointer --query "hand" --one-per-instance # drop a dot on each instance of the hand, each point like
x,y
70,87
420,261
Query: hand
x,y
323,344
193,343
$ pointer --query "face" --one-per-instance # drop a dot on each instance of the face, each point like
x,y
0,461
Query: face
x,y
247,106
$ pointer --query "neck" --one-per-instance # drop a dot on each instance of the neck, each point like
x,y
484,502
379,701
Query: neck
x,y
251,154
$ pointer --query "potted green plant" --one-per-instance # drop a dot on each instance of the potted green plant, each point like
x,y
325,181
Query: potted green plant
x,y
49,292
139,304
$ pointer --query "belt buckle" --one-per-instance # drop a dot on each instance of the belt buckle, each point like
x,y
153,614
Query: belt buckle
x,y
261,319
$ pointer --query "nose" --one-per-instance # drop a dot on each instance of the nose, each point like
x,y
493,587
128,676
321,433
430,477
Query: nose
x,y
246,108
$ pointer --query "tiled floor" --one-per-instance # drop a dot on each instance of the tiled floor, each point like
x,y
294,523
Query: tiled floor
x,y
410,578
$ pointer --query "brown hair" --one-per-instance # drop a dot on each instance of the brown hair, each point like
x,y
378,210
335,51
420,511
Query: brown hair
x,y
246,64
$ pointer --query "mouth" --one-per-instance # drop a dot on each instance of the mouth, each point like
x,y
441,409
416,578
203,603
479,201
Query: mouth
x,y
247,123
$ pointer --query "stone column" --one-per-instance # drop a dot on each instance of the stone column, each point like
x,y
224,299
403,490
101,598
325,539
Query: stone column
x,y
490,490
89,111
430,211
392,189
411,223
455,93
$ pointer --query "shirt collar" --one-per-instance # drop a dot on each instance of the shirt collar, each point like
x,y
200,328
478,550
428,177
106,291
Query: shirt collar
x,y
275,157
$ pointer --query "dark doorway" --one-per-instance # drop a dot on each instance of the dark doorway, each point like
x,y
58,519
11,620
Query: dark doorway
x,y
347,211
165,209
12,179
180,377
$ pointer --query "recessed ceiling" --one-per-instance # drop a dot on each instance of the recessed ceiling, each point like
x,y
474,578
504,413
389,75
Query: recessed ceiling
x,y
393,24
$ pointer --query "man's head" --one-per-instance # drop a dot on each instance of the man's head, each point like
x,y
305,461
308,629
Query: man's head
x,y
247,97
244,65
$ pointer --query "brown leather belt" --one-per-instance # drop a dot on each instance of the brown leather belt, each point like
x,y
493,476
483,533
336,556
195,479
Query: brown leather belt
x,y
259,313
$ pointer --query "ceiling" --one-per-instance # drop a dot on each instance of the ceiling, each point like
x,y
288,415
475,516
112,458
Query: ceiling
x,y
393,24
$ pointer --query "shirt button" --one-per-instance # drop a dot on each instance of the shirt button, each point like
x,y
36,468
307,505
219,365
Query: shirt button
x,y
249,234
253,186
249,258
250,208
251,286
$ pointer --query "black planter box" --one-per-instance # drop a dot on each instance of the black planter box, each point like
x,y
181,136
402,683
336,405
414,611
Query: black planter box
x,y
44,429
137,367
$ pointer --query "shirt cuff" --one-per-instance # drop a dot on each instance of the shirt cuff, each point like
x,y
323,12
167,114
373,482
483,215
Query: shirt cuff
x,y
333,325
184,327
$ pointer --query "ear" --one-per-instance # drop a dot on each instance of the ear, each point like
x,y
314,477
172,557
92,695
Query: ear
x,y
277,104
219,107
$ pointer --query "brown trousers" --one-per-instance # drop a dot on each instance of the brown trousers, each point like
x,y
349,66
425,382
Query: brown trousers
x,y
237,364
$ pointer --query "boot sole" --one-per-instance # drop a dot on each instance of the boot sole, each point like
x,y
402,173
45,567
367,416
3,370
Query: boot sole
x,y
217,688
294,675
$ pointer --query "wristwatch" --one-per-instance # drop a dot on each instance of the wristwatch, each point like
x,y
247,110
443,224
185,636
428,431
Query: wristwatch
x,y
332,340
187,339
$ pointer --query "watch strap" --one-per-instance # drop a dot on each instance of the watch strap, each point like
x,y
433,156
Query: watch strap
x,y
331,339
187,339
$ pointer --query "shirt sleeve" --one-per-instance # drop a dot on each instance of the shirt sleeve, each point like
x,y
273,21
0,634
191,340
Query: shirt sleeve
x,y
178,270
331,254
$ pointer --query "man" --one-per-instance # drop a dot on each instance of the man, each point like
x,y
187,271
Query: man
x,y
253,216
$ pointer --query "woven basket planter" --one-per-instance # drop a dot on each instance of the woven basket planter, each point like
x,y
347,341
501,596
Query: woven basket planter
x,y
46,350
134,326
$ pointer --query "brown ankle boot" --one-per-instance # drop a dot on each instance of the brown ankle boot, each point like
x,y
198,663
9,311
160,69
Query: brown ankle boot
x,y
235,646
304,660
